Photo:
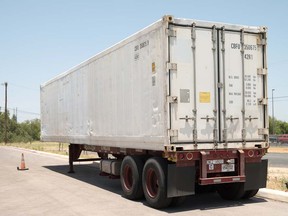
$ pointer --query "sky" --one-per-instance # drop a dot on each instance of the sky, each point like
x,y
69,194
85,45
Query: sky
x,y
41,39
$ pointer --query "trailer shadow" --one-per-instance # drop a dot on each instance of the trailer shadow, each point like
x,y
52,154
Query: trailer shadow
x,y
89,173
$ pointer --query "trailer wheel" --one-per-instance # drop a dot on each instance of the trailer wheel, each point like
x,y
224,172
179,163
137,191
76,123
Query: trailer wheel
x,y
131,177
249,194
231,191
155,184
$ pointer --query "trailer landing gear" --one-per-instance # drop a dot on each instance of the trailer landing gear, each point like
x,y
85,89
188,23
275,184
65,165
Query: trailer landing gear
x,y
74,154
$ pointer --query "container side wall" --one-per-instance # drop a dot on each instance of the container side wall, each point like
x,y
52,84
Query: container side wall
x,y
116,100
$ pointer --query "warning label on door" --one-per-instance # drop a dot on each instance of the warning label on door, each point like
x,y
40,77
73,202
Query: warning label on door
x,y
204,97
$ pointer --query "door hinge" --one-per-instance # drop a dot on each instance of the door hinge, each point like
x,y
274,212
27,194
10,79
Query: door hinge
x,y
262,101
263,131
173,133
171,32
171,66
262,71
261,41
172,99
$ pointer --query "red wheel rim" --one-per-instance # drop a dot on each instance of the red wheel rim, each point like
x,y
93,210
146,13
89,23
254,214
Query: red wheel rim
x,y
152,184
128,177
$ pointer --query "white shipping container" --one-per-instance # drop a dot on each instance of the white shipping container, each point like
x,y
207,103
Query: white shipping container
x,y
178,83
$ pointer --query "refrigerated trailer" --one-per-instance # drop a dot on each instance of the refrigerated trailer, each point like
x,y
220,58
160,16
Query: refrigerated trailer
x,y
181,104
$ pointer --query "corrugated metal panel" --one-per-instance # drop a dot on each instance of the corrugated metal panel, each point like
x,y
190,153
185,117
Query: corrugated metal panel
x,y
182,81
219,85
118,97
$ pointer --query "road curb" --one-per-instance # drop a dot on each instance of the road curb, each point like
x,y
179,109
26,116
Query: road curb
x,y
273,194
37,152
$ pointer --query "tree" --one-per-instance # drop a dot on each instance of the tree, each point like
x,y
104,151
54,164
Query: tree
x,y
27,131
280,127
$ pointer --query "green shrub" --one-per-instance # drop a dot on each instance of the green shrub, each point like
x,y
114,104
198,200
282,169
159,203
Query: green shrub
x,y
27,131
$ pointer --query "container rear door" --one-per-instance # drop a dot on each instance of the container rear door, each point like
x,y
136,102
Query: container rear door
x,y
242,99
193,82
218,78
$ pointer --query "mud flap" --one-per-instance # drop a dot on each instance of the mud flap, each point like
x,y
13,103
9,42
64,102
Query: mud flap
x,y
256,175
180,181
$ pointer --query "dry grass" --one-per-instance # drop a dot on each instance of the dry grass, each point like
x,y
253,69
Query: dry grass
x,y
277,177
278,149
56,148
52,147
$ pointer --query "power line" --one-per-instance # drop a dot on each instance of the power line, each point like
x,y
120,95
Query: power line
x,y
24,87
281,97
280,61
278,97
27,112
22,111
280,100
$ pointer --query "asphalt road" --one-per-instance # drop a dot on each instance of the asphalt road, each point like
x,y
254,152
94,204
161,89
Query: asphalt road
x,y
47,189
277,159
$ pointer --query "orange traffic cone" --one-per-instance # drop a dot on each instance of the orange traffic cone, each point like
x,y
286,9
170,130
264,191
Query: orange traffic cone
x,y
22,165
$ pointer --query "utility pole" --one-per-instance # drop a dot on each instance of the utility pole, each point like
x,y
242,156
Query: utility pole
x,y
273,120
6,115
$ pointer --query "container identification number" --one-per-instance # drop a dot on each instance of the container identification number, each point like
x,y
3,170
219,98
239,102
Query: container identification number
x,y
248,47
141,45
245,46
138,48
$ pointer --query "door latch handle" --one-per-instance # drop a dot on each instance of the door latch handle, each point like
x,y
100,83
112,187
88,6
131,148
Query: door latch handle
x,y
231,118
186,118
251,118
207,118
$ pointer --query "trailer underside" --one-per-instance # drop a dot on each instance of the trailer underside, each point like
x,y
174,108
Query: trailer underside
x,y
233,173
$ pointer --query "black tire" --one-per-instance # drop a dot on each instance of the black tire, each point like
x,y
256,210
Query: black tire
x,y
231,191
249,194
154,181
177,201
131,177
